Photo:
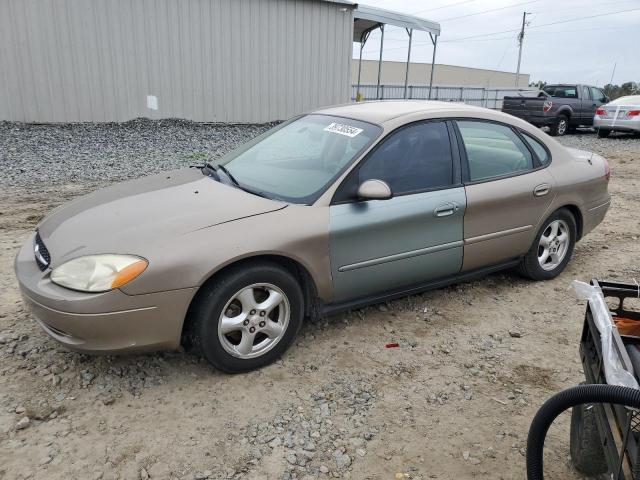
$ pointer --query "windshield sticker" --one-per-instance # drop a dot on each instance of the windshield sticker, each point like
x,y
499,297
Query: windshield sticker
x,y
343,129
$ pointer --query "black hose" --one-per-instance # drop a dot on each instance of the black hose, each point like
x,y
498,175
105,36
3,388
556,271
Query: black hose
x,y
597,393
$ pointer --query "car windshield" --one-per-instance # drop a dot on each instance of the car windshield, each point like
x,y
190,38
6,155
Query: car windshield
x,y
630,100
561,91
297,160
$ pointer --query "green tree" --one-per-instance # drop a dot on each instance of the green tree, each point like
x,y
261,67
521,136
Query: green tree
x,y
539,84
616,91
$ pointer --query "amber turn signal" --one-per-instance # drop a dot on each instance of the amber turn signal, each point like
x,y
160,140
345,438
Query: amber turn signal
x,y
128,273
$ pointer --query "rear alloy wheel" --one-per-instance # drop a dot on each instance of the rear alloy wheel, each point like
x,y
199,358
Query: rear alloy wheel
x,y
553,245
603,133
552,248
561,126
247,318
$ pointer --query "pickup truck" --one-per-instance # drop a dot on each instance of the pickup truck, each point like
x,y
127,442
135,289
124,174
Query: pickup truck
x,y
560,107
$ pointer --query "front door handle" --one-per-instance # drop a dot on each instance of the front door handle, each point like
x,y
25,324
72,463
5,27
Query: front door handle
x,y
541,190
445,209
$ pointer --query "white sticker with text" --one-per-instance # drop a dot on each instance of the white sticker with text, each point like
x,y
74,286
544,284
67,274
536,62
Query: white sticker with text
x,y
342,129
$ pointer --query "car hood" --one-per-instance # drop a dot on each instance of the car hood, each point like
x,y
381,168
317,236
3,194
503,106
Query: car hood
x,y
128,217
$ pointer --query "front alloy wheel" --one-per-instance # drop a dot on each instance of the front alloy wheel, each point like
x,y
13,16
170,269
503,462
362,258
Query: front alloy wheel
x,y
254,320
246,317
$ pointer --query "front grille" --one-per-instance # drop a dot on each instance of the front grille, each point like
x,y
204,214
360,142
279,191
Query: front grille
x,y
43,259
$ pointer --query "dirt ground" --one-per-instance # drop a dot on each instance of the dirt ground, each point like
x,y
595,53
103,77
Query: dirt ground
x,y
454,401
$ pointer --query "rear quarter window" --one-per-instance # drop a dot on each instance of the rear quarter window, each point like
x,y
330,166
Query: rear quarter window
x,y
540,151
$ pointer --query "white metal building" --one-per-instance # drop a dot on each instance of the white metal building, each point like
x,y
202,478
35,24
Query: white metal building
x,y
202,60
393,73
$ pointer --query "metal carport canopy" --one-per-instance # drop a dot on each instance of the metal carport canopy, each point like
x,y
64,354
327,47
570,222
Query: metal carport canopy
x,y
367,19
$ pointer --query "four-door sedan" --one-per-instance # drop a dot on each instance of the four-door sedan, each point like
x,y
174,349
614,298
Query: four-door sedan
x,y
620,115
345,207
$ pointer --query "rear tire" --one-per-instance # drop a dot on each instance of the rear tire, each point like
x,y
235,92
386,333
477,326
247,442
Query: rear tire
x,y
548,256
585,448
560,127
603,133
247,317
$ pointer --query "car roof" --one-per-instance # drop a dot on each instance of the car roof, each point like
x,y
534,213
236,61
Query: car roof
x,y
385,110
626,100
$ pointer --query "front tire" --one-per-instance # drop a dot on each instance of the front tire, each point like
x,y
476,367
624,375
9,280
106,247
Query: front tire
x,y
552,248
561,126
248,317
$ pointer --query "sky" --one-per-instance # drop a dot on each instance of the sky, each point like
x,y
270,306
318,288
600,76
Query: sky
x,y
574,51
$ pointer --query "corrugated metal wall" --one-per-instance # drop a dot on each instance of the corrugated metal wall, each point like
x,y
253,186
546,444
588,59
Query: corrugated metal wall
x,y
205,60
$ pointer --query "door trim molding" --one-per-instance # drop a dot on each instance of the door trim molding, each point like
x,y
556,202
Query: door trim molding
x,y
605,204
501,233
333,308
400,256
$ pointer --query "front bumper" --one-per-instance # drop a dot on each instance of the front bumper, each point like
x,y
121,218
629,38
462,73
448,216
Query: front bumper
x,y
109,322
616,125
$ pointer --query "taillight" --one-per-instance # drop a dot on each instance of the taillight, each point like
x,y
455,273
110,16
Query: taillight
x,y
607,169
547,105
633,113
601,112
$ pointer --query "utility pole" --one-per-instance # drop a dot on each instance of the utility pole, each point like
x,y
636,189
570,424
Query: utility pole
x,y
613,73
520,40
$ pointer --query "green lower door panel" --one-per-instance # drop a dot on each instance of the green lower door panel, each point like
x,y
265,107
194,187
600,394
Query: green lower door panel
x,y
383,245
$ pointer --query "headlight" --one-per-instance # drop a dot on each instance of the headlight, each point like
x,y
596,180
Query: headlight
x,y
98,273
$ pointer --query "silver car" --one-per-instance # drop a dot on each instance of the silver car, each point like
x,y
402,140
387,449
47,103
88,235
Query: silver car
x,y
620,115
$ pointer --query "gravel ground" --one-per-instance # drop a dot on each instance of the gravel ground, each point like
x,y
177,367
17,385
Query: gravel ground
x,y
103,153
453,401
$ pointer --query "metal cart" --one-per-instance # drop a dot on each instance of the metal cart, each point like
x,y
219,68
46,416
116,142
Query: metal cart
x,y
605,437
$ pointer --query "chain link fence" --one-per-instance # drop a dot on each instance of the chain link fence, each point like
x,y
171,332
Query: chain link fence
x,y
480,96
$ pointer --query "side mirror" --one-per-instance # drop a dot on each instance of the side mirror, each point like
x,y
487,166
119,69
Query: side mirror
x,y
374,190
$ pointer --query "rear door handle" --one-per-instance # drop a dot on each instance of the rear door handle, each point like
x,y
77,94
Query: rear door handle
x,y
445,209
541,190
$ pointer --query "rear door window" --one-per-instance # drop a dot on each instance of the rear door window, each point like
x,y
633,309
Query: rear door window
x,y
493,150
597,95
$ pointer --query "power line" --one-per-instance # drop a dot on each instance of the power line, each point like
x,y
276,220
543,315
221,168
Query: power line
x,y
510,37
455,40
444,6
543,25
600,4
488,11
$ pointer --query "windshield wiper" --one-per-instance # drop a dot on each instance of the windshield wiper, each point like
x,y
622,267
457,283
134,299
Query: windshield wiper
x,y
228,174
214,171
210,171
